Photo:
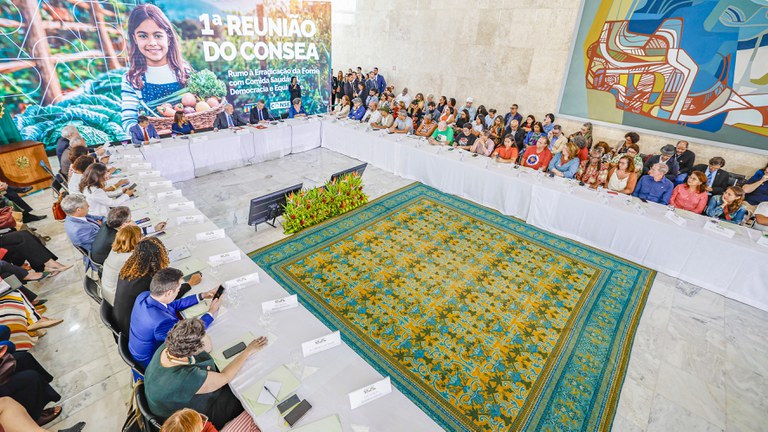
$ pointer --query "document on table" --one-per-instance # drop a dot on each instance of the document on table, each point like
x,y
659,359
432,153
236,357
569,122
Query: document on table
x,y
218,354
252,393
328,424
190,265
197,310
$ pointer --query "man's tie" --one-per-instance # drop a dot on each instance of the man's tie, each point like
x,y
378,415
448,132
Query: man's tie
x,y
229,121
146,137
710,176
260,116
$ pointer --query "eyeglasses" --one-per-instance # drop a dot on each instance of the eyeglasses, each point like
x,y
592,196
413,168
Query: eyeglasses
x,y
204,418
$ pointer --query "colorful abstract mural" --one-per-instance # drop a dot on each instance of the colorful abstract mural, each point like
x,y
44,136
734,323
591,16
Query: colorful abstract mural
x,y
692,68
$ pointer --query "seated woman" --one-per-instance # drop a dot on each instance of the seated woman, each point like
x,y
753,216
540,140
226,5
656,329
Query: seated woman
x,y
122,248
566,163
357,111
538,157
78,167
537,131
414,112
385,121
181,125
508,152
448,114
93,187
23,247
147,259
182,374
463,119
607,151
622,178
527,125
483,144
633,151
427,127
342,109
478,124
692,195
296,109
593,172
729,206
497,130
24,321
29,385
189,420
629,139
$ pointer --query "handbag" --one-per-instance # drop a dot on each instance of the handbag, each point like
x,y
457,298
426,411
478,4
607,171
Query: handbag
x,y
134,422
7,365
58,212
6,218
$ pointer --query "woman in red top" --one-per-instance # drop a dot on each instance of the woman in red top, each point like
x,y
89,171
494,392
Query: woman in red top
x,y
538,157
593,172
692,195
189,420
506,153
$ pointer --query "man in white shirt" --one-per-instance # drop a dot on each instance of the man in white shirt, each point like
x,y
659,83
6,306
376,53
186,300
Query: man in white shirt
x,y
761,216
403,97
372,115
468,106
490,118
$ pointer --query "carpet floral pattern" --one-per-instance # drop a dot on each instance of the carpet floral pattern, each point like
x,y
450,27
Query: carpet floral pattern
x,y
484,322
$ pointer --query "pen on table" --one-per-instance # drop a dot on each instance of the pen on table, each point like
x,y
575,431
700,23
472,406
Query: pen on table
x,y
270,393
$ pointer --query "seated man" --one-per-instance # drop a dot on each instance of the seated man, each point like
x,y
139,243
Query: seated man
x,y
761,216
142,132
81,227
154,313
67,133
372,96
516,133
372,115
685,159
717,178
357,111
260,113
12,194
403,123
443,135
655,187
465,139
227,119
483,144
430,110
385,120
117,218
756,187
666,158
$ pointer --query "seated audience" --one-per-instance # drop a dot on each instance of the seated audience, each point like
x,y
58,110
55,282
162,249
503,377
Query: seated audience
x,y
93,187
403,97
623,177
419,99
557,140
342,109
357,111
478,124
143,131
465,138
629,139
513,115
441,105
443,135
463,119
189,420
117,218
385,119
148,258
403,124
633,151
548,124
414,112
692,195
24,248
81,227
593,172
471,111
73,154
296,109
427,127
29,384
448,114
11,194
490,119
729,206
581,143
156,311
506,153
260,113
717,178
655,187
517,134
432,112
586,133
78,167
67,133
537,131
14,418
537,157
483,144
607,151
372,114
566,163
67,156
122,248
182,374
756,188
181,125
684,158
373,96
666,158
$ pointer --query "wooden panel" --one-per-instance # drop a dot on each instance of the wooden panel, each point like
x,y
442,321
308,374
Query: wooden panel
x,y
19,165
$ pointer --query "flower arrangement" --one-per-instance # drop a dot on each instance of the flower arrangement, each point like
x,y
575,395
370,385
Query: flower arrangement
x,y
310,207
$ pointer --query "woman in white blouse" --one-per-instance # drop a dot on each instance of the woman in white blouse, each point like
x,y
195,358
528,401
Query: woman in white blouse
x,y
94,188
122,248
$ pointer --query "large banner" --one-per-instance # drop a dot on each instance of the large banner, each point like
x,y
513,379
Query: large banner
x,y
691,69
101,64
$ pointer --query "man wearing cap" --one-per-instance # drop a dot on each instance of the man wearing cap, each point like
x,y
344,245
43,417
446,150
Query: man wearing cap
x,y
403,123
666,158
385,119
468,106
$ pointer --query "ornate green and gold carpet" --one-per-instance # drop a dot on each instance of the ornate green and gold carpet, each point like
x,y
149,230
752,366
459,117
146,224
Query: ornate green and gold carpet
x,y
484,322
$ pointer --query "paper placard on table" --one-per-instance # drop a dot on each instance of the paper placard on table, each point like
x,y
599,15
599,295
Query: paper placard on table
x,y
327,424
671,215
224,258
169,194
218,354
321,344
370,393
241,131
141,165
280,304
190,265
252,278
210,235
184,205
161,183
128,157
718,229
153,173
199,138
189,219
282,375
178,253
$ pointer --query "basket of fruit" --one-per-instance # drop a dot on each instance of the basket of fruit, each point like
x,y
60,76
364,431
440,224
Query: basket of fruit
x,y
202,100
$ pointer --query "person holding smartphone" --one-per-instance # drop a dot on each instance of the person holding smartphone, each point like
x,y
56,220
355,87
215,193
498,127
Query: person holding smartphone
x,y
182,374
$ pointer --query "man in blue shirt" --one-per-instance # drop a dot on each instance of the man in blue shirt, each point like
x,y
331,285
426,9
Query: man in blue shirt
x,y
81,227
154,313
512,115
655,187
358,110
756,187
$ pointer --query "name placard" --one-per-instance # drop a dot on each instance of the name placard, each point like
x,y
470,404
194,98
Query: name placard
x,y
717,229
321,344
280,304
169,194
370,393
184,205
249,279
199,138
161,183
210,235
133,157
149,174
190,219
674,217
226,257
141,165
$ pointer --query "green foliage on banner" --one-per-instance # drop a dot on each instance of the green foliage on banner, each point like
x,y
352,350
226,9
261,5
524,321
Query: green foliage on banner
x,y
204,85
310,207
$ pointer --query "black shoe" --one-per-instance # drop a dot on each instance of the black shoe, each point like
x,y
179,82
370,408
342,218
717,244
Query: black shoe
x,y
76,428
29,217
24,189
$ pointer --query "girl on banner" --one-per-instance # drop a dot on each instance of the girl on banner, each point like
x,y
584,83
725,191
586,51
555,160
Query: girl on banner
x,y
158,73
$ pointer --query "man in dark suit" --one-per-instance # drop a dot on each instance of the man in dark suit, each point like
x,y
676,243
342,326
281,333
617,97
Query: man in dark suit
x,y
142,132
228,119
517,133
718,179
260,113
666,158
685,159
350,86
117,218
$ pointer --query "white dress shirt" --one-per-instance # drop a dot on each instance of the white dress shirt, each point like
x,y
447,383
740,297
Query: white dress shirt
x,y
100,202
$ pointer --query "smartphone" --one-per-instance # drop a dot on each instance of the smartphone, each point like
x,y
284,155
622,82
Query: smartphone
x,y
551,174
297,413
288,404
219,292
643,200
117,171
232,351
189,276
142,221
133,186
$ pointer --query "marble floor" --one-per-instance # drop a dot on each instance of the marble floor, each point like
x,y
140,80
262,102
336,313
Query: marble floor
x,y
699,361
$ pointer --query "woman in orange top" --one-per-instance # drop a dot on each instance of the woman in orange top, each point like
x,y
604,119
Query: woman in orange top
x,y
506,153
622,178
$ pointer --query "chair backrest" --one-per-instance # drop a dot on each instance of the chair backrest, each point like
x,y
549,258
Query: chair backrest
x,y
92,288
108,318
151,422
98,267
82,250
125,354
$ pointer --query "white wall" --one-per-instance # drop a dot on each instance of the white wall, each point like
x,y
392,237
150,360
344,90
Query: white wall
x,y
499,52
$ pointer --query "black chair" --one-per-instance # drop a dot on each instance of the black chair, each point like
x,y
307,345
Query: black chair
x,y
107,317
92,286
125,354
736,179
96,266
151,422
